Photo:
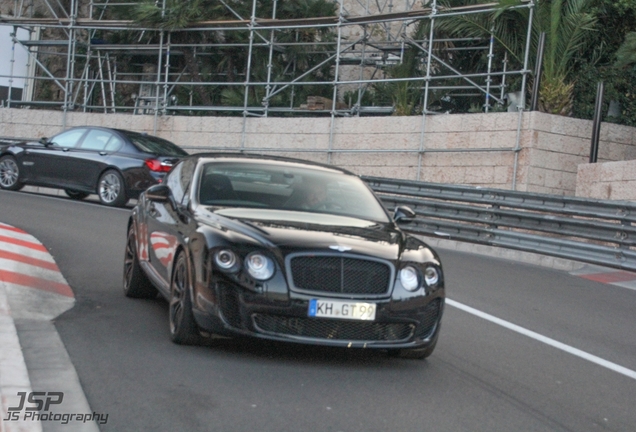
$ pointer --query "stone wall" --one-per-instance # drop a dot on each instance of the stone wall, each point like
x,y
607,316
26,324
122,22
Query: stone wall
x,y
470,149
560,144
609,180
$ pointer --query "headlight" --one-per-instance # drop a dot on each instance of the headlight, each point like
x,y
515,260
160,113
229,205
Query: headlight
x,y
259,266
226,260
410,279
431,276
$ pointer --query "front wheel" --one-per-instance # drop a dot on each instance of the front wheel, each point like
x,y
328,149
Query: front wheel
x,y
9,174
111,189
183,328
136,283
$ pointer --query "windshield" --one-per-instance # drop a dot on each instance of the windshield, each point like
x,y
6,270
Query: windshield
x,y
156,145
278,186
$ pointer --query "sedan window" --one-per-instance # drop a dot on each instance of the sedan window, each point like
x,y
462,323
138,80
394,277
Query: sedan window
x,y
114,144
155,145
96,140
68,138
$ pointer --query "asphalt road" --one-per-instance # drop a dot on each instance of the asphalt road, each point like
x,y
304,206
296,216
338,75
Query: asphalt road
x,y
482,376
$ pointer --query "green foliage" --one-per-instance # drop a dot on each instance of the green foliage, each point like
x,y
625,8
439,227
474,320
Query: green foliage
x,y
403,95
626,54
567,25
620,86
228,62
610,58
178,14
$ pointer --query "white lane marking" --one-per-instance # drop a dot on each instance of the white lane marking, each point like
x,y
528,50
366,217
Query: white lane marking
x,y
546,340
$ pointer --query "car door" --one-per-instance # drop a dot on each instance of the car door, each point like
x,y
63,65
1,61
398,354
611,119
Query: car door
x,y
166,223
89,159
48,164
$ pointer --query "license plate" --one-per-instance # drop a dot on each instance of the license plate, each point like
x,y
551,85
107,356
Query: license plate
x,y
341,310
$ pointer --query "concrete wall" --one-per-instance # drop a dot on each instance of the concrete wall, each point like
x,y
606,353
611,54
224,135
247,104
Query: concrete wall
x,y
551,147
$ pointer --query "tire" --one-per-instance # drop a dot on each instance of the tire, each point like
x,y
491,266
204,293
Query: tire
x,y
183,328
415,353
76,195
111,189
136,282
9,174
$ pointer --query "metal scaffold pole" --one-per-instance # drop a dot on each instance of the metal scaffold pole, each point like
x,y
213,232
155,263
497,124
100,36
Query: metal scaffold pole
x,y
521,106
334,99
426,89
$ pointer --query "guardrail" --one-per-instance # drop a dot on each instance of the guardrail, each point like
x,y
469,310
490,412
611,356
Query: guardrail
x,y
593,231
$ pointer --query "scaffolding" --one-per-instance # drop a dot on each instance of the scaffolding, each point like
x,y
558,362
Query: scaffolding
x,y
80,59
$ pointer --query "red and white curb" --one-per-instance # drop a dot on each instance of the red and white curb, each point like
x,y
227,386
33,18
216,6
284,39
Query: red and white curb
x,y
28,275
606,275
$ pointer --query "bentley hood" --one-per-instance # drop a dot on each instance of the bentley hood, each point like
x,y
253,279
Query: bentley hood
x,y
296,231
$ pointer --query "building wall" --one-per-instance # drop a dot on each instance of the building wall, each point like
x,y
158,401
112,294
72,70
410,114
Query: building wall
x,y
551,147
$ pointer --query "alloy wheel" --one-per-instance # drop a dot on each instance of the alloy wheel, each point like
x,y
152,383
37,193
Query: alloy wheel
x,y
177,297
109,188
129,261
9,173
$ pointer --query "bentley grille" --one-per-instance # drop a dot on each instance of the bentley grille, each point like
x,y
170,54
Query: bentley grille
x,y
340,275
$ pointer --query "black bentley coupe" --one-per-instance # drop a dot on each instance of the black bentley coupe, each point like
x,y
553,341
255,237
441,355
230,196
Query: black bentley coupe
x,y
286,250
115,164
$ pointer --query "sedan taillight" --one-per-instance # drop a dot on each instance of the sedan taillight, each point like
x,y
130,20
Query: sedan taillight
x,y
156,165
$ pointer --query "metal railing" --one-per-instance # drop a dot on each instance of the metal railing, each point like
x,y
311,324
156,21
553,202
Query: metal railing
x,y
593,231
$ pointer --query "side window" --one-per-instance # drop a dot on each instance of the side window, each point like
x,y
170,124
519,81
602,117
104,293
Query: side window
x,y
96,140
68,138
179,180
114,144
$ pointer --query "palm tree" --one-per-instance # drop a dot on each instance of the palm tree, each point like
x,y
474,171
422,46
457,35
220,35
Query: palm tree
x,y
567,25
175,16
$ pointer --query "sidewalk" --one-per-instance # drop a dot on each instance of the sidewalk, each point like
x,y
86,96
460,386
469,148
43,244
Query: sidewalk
x,y
33,358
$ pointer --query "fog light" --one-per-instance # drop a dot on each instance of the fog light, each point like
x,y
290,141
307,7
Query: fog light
x,y
259,266
409,278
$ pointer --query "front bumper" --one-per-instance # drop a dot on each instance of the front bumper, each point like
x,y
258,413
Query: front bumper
x,y
406,323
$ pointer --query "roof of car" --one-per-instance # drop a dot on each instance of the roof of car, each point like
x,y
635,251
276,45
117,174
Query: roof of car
x,y
255,156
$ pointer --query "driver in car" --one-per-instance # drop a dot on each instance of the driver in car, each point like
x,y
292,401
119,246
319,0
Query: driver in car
x,y
309,196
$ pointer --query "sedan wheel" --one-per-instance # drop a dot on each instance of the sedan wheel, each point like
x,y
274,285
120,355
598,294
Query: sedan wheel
x,y
111,189
183,328
9,174
136,283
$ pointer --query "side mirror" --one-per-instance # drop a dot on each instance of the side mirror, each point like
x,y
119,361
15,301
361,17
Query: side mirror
x,y
44,140
159,193
403,214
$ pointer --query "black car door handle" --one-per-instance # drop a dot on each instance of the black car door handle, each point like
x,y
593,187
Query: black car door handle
x,y
103,153
65,149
